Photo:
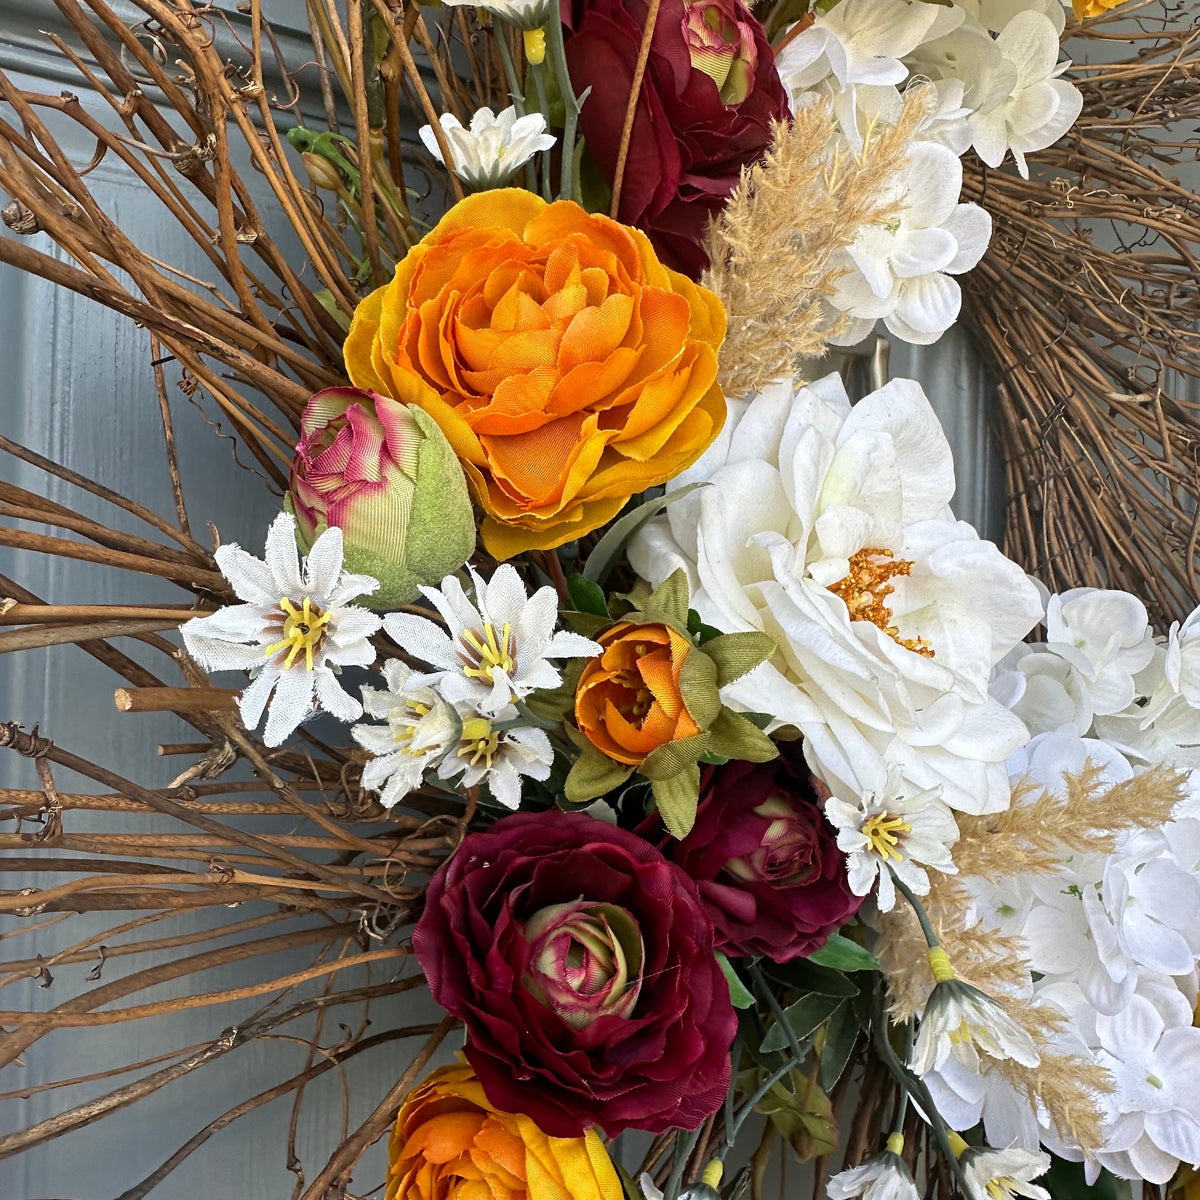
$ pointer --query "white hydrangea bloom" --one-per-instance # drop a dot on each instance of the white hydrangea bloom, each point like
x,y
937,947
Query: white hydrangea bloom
x,y
827,526
891,831
488,153
495,650
294,632
1040,107
902,273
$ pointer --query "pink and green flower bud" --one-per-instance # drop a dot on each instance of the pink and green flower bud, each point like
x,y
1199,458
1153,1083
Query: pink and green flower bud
x,y
384,474
787,855
585,961
722,46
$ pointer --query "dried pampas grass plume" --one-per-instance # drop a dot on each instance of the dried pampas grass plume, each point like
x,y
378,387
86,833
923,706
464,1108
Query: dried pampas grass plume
x,y
772,249
1029,838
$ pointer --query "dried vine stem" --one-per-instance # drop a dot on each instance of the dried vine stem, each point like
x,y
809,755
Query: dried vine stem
x,y
1088,308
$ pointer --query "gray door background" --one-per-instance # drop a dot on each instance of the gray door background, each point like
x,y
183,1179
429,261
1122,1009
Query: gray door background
x,y
75,385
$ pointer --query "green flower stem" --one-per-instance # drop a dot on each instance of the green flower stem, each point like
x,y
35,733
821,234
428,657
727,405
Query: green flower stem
x,y
747,1108
514,90
558,52
538,71
685,1143
777,1012
911,1084
931,939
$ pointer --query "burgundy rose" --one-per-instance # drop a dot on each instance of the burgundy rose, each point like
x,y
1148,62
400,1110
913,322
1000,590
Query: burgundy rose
x,y
765,858
705,109
582,964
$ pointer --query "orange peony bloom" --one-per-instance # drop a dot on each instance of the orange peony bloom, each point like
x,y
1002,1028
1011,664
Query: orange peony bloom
x,y
449,1143
565,364
628,701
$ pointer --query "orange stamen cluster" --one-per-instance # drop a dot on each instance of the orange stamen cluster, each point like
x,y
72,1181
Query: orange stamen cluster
x,y
866,589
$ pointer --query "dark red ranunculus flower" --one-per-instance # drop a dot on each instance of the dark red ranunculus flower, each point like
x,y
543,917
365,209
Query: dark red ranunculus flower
x,y
581,962
765,858
705,109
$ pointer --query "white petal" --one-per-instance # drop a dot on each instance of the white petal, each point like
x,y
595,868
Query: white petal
x,y
324,563
283,558
333,698
290,705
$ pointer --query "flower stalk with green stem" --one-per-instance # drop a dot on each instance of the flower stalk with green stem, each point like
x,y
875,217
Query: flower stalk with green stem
x,y
514,89
569,179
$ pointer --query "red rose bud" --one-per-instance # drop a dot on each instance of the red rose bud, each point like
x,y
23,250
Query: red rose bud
x,y
384,474
722,46
765,858
704,111
582,964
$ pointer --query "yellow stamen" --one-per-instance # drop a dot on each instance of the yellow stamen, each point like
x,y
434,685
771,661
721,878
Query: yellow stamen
x,y
494,653
303,631
866,589
895,1142
479,741
883,832
535,45
939,964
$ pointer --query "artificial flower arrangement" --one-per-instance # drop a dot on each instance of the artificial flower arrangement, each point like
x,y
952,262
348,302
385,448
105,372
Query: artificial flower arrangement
x,y
763,762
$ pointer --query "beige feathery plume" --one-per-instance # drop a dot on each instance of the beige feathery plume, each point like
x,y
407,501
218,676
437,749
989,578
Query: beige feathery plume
x,y
1029,838
772,249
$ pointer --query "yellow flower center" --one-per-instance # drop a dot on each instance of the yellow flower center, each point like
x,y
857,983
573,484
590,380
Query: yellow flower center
x,y
304,630
883,832
404,721
1001,1188
487,653
479,741
866,589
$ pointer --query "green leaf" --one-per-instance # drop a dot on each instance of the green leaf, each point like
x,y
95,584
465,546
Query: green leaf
x,y
739,996
669,601
803,1018
594,775
676,799
808,977
735,737
735,654
587,596
608,549
697,628
842,954
841,1035
698,688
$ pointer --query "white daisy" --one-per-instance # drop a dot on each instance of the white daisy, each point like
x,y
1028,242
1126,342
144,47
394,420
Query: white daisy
x,y
884,1177
492,750
888,833
420,728
1002,1174
294,631
959,1017
493,652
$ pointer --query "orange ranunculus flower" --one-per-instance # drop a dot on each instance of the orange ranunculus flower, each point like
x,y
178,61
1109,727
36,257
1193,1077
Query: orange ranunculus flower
x,y
567,366
628,701
1093,8
449,1143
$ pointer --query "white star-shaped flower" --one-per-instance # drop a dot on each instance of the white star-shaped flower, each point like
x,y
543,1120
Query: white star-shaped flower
x,y
293,633
1002,1174
488,152
884,1177
492,652
420,727
888,832
957,1019
493,749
